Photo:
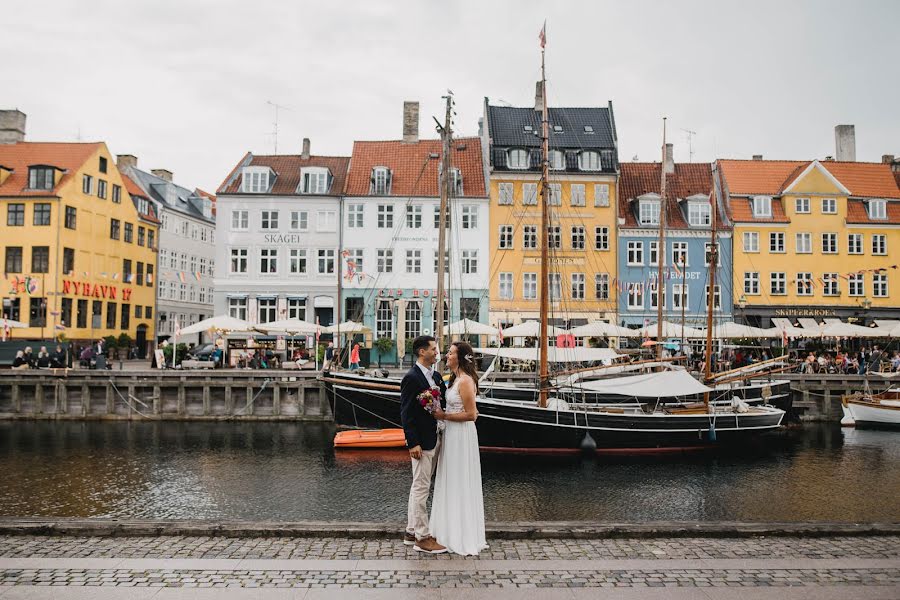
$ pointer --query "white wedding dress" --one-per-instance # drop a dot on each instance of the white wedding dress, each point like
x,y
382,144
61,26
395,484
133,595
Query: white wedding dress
x,y
457,509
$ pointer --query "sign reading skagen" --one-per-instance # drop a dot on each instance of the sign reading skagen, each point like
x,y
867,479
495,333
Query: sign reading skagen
x,y
282,238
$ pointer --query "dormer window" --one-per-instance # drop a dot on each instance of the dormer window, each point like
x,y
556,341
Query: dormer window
x,y
762,206
589,129
699,213
40,177
143,206
557,160
648,212
256,180
528,129
557,129
878,209
315,180
517,158
589,160
381,181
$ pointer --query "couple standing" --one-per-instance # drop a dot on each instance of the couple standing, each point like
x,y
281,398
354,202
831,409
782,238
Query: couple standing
x,y
443,444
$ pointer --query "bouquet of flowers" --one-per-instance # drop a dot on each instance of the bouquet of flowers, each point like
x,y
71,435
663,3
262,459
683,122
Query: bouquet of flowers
x,y
430,399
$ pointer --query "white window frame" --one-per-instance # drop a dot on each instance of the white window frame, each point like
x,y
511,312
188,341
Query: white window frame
x,y
877,209
778,283
589,160
268,261
601,286
237,308
530,237
601,238
557,159
751,242
385,216
880,285
827,246
381,181
803,243
470,216
831,284
648,212
578,237
325,261
829,206
802,206
529,286
855,243
385,260
635,295
505,282
879,244
356,216
469,262
314,180
804,283
241,255
505,194
777,244
699,214
577,194
554,237
506,237
255,180
555,194
652,294
856,284
635,253
717,297
240,220
413,260
706,248
357,256
577,287
601,195
529,194
681,291
762,206
680,249
554,286
268,220
298,263
326,220
517,158
414,216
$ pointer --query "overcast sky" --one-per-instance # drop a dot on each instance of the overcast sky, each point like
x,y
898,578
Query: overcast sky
x,y
185,84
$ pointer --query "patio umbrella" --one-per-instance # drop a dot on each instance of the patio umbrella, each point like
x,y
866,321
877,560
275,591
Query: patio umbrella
x,y
470,327
530,329
12,324
288,326
732,330
348,327
671,330
221,323
602,329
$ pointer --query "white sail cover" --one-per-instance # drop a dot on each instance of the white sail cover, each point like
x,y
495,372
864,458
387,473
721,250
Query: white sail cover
x,y
650,385
530,329
223,323
555,355
469,327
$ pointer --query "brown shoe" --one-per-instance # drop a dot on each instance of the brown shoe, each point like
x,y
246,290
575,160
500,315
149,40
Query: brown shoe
x,y
409,539
429,545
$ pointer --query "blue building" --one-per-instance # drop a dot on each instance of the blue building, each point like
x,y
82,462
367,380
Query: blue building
x,y
689,188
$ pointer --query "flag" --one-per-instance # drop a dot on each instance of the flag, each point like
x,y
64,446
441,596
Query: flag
x,y
177,328
5,330
318,330
129,277
181,276
543,35
149,278
116,276
197,275
500,331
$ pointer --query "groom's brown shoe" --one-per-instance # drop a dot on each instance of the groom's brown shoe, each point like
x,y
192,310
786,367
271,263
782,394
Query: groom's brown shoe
x,y
429,545
409,539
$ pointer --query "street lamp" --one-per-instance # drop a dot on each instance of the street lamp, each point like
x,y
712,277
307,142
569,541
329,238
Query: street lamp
x,y
742,304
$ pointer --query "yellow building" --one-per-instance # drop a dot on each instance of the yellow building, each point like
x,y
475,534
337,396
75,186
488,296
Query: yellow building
x,y
582,237
79,257
812,239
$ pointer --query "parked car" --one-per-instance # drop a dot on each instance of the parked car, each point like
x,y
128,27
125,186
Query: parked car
x,y
204,352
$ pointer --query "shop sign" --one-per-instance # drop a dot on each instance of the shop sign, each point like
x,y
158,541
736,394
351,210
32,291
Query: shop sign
x,y
413,293
24,285
805,312
95,290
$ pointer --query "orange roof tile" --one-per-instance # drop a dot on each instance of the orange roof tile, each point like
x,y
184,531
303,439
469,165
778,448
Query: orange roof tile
x,y
865,180
763,177
857,213
742,212
406,161
21,155
636,179
287,167
132,188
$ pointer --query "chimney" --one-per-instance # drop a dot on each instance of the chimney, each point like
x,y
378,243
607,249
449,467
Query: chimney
x,y
126,160
670,158
887,159
12,126
410,122
305,154
757,157
845,142
163,174
539,96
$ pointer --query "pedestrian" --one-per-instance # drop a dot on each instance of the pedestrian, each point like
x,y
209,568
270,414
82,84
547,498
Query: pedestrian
x,y
58,358
329,357
354,357
30,358
43,358
19,362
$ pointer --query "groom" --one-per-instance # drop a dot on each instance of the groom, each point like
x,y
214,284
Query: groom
x,y
423,441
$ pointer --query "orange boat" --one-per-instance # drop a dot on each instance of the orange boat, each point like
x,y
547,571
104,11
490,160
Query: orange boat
x,y
370,438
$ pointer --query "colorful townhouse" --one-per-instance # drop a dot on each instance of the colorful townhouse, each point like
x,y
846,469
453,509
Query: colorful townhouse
x,y
582,240
79,251
813,239
688,237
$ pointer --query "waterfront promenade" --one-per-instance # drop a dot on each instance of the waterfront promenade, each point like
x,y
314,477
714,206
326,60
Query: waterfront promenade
x,y
728,561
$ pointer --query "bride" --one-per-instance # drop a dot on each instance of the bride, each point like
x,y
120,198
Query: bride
x,y
457,508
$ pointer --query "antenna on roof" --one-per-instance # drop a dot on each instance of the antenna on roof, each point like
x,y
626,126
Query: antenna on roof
x,y
277,108
690,138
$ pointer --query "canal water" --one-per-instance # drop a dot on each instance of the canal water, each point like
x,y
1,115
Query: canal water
x,y
290,472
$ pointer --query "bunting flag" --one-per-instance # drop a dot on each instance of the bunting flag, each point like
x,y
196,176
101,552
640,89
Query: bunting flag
x,y
197,275
500,331
543,35
116,276
177,333
129,277
181,277
6,330
149,278
71,272
85,273
318,330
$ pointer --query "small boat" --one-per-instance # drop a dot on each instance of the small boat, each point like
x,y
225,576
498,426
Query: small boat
x,y
872,410
370,438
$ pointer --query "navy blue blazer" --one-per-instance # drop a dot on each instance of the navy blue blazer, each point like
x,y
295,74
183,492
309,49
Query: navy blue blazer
x,y
419,426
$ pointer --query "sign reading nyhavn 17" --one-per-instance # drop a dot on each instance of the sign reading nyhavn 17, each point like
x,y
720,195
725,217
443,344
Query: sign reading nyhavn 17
x,y
95,290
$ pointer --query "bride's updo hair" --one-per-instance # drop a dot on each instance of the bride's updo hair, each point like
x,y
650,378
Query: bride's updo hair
x,y
465,356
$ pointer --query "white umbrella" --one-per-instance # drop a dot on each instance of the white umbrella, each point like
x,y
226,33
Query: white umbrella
x,y
838,329
530,329
348,327
602,329
470,327
223,323
288,326
732,330
671,330
12,324
791,331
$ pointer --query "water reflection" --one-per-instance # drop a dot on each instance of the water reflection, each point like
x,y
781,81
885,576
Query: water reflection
x,y
288,471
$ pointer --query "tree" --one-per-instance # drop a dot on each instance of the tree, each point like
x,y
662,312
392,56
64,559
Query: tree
x,y
384,345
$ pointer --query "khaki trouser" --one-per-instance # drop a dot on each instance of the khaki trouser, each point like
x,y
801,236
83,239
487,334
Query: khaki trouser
x,y
417,510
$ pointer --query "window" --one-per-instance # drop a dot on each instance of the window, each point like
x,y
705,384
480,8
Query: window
x,y
577,286
297,261
129,233
413,261
40,259
577,191
138,311
117,195
717,298
15,215
653,293
601,286
355,216
126,316
315,180
143,206
446,261
68,262
40,178
857,284
149,274
381,181
238,260
385,216
589,161
680,296
776,242
880,285
70,217
506,286
557,160
296,308
13,259
529,286
469,261
601,238
101,189
299,220
653,253
529,194
636,296
82,314
529,237
41,214
385,262
151,238
517,159
751,283
506,237
554,237
751,241
384,320
804,284
326,220
269,219
680,254
413,321
355,256
111,314
504,194
804,243
648,212
326,261
555,194
801,205
114,228
255,180
829,206
240,220
37,312
601,194
699,213
635,253
878,209
437,217
762,206
555,281
578,238
142,235
126,270
589,129
777,284
855,243
237,308
829,243
707,250
140,274
87,185
103,164
414,216
66,312
831,284
879,244
266,309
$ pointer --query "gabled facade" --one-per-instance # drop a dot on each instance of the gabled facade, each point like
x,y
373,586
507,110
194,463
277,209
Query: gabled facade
x,y
689,193
584,168
813,239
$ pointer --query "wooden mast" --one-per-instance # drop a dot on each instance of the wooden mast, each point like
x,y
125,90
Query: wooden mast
x,y
446,182
711,296
661,249
545,242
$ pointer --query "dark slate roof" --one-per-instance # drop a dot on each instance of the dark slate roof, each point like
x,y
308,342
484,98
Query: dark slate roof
x,y
507,127
184,200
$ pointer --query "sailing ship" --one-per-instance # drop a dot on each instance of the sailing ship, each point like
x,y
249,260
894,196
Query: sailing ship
x,y
872,410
